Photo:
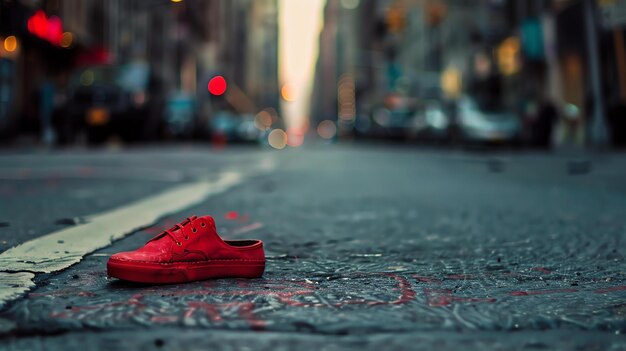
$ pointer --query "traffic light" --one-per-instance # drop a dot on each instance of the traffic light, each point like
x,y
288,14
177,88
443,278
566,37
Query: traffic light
x,y
217,85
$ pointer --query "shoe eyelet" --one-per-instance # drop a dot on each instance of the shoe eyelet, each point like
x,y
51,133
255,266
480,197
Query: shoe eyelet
x,y
194,230
186,237
179,243
202,224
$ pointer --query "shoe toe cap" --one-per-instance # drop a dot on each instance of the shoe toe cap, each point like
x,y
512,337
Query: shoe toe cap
x,y
139,256
134,256
124,256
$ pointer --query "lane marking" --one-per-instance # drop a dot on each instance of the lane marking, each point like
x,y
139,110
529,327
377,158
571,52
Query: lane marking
x,y
60,249
14,285
64,248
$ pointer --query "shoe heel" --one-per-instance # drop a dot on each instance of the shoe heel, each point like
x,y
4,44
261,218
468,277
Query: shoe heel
x,y
257,272
245,271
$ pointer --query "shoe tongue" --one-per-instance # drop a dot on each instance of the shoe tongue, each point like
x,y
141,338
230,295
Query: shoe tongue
x,y
211,224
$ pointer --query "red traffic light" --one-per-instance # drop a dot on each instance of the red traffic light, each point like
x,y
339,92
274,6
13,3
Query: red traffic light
x,y
47,28
217,85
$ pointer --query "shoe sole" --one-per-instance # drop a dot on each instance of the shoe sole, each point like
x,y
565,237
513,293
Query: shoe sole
x,y
183,272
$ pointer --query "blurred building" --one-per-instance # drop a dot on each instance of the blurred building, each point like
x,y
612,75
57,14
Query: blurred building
x,y
350,52
183,44
567,53
248,52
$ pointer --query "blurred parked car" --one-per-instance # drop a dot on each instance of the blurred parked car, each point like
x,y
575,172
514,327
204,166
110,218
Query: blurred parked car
x,y
428,122
431,122
109,100
391,120
234,127
486,123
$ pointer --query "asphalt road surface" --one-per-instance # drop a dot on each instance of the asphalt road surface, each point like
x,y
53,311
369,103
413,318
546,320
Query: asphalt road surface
x,y
368,247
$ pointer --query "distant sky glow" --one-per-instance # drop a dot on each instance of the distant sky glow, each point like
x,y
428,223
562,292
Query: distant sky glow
x,y
300,25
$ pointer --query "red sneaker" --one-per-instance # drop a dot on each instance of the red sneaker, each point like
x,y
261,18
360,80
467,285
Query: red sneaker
x,y
189,251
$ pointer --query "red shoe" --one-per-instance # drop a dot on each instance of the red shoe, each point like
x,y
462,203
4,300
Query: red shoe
x,y
189,251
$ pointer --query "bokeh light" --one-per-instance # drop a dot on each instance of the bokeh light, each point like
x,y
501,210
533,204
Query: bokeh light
x,y
217,85
451,82
508,54
277,139
87,78
38,24
350,4
67,39
54,32
295,137
231,215
327,129
288,92
263,120
10,43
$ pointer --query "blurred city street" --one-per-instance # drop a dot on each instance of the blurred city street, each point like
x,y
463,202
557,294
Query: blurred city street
x,y
386,174
368,246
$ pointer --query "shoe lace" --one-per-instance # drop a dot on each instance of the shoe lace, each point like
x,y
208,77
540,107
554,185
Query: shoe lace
x,y
177,226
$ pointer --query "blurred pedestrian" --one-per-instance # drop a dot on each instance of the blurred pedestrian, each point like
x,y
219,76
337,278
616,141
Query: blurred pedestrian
x,y
617,122
544,124
46,107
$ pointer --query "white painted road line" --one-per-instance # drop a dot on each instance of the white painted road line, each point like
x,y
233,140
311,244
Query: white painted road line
x,y
14,285
59,250
63,248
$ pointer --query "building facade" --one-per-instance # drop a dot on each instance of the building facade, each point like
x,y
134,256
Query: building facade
x,y
184,44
